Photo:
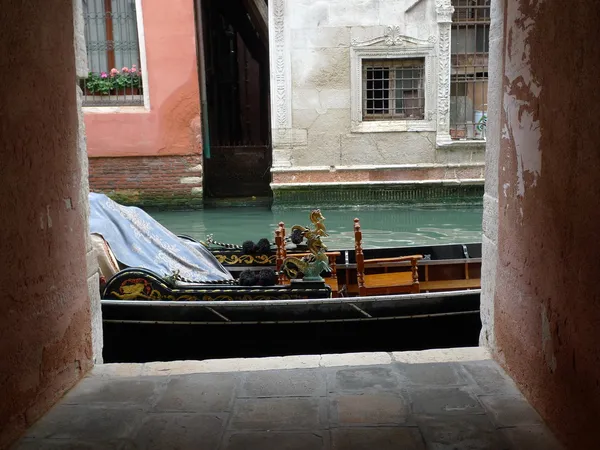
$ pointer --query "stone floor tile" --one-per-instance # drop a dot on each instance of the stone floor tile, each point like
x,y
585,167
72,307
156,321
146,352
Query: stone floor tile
x,y
468,432
294,383
368,409
267,440
201,393
510,411
102,391
379,438
490,378
442,401
279,414
86,423
433,374
363,379
532,437
181,431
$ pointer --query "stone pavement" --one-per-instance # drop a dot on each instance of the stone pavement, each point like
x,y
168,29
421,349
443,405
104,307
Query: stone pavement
x,y
437,399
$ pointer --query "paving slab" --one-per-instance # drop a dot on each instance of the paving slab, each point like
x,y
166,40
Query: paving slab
x,y
490,379
363,379
266,440
368,409
182,431
510,411
377,439
118,391
89,424
531,437
292,413
444,401
468,432
203,393
289,383
433,374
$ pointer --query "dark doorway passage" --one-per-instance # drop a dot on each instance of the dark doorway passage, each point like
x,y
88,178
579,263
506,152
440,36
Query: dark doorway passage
x,y
237,153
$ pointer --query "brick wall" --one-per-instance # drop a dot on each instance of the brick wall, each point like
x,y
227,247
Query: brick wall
x,y
167,182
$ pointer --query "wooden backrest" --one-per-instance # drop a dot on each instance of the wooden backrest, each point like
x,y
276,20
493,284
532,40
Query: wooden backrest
x,y
360,257
281,251
362,264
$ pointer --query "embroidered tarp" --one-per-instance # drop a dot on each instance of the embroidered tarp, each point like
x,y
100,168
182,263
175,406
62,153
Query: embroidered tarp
x,y
137,240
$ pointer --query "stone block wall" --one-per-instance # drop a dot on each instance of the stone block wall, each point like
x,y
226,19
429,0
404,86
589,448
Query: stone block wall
x,y
168,182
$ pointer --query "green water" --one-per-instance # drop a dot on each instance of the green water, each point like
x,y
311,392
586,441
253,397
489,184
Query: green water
x,y
382,227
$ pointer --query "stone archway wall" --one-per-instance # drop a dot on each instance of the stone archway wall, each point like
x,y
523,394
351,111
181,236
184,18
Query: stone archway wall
x,y
541,302
48,275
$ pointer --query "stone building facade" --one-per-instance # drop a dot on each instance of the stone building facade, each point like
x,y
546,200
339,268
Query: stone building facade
x,y
361,103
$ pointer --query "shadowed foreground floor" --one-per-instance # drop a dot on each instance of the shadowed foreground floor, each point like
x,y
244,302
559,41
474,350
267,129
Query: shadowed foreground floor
x,y
436,399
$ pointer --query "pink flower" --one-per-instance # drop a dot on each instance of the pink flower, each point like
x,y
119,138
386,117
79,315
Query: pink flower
x,y
133,69
103,75
113,72
125,70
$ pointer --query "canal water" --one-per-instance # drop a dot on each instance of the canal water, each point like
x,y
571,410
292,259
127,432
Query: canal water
x,y
382,227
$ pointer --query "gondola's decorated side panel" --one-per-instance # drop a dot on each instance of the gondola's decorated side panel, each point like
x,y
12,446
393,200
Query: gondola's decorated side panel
x,y
237,258
141,284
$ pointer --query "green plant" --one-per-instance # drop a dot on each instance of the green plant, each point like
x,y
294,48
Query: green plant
x,y
104,83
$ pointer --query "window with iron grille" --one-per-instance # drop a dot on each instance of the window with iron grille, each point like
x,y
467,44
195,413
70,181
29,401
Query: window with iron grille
x,y
469,61
113,54
393,89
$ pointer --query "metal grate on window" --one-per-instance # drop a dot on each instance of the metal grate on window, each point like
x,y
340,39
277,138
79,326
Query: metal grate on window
x,y
469,62
393,89
113,54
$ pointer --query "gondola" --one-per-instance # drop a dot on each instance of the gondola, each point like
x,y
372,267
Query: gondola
x,y
166,280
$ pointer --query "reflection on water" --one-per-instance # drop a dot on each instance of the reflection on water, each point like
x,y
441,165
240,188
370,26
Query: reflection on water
x,y
386,227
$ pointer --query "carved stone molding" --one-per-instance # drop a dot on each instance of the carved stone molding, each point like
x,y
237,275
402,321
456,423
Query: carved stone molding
x,y
280,62
444,11
393,38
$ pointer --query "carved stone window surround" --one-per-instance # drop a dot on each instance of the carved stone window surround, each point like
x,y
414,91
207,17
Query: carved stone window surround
x,y
392,46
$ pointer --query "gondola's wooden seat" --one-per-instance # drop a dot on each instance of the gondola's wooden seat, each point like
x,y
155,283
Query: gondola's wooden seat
x,y
331,280
395,282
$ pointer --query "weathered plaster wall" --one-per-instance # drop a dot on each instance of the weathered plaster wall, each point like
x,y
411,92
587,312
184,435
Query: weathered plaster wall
x,y
45,332
169,127
490,196
315,88
93,281
547,303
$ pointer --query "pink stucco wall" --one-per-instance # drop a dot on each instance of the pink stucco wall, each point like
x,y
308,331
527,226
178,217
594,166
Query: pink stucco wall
x,y
45,326
547,301
171,127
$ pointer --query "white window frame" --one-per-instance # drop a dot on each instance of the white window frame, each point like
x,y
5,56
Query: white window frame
x,y
403,48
